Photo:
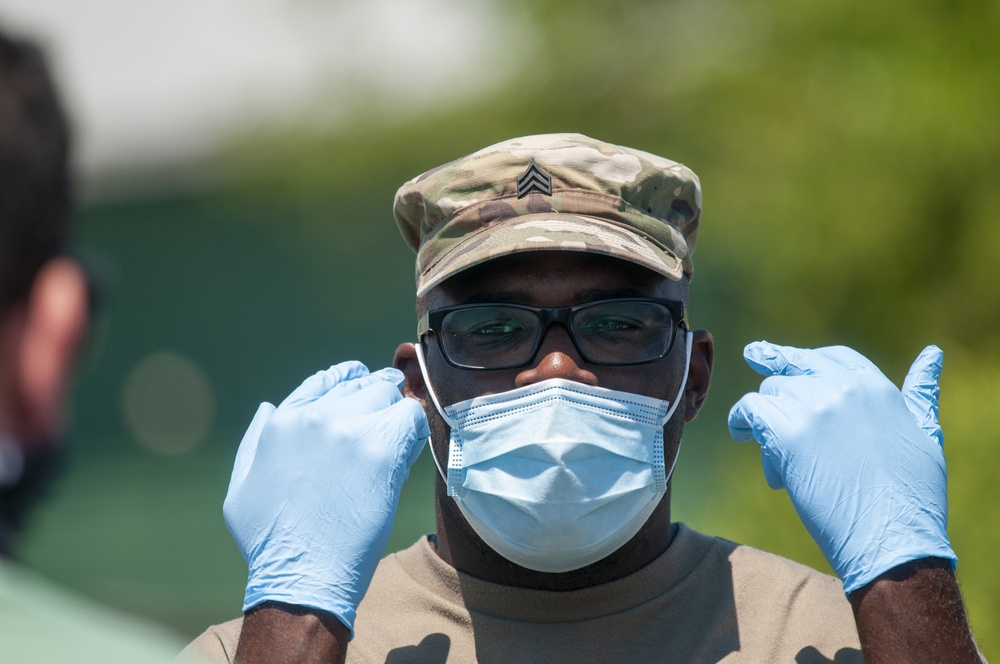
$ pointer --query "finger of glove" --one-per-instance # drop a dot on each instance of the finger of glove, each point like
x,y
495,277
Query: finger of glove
x,y
757,417
232,506
785,386
248,446
921,391
740,422
346,388
770,359
371,394
748,418
848,358
322,382
771,474
409,416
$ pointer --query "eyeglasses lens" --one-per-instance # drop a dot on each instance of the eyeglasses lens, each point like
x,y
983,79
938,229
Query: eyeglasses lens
x,y
492,336
608,332
623,332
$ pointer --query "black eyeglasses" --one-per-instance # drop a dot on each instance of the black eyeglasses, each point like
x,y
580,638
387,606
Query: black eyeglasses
x,y
505,336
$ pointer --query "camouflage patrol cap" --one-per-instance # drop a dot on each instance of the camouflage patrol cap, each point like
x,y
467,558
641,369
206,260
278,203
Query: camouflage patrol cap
x,y
564,192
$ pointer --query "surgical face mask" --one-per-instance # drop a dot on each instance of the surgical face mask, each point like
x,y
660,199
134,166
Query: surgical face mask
x,y
557,475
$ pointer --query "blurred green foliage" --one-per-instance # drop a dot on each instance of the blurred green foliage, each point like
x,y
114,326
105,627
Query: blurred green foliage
x,y
849,152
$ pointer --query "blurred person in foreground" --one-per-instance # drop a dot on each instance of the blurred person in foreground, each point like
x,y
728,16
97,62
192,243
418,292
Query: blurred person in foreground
x,y
44,311
554,372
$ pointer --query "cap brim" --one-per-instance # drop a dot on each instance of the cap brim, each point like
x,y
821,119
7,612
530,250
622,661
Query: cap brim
x,y
551,231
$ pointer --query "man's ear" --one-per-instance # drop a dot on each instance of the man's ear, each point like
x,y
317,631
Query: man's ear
x,y
700,373
49,343
406,361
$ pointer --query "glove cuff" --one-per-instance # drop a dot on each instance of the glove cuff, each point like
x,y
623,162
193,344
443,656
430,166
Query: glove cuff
x,y
297,594
855,579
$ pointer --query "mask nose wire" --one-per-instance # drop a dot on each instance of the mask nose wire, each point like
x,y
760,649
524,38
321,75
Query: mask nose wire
x,y
437,404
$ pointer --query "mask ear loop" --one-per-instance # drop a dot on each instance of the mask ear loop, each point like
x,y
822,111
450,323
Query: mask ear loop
x,y
437,404
688,342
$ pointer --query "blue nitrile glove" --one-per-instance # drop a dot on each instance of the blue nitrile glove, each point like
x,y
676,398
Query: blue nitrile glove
x,y
316,484
862,462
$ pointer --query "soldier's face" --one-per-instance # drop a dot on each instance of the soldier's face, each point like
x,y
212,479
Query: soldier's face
x,y
555,279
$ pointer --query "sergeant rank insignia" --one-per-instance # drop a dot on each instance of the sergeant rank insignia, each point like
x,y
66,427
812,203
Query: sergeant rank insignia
x,y
534,179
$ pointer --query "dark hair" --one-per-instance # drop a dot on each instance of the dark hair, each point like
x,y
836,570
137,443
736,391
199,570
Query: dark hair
x,y
34,169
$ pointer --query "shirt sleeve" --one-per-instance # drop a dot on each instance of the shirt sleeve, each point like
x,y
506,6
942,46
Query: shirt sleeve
x,y
216,645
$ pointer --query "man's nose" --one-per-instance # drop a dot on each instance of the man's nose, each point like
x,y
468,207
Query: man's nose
x,y
557,357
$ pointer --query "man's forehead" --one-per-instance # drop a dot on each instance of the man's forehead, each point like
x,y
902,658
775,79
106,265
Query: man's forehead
x,y
564,276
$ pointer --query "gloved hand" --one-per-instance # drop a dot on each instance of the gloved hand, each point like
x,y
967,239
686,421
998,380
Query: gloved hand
x,y
862,462
316,484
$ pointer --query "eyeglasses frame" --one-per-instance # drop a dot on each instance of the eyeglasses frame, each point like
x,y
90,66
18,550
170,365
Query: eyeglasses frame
x,y
431,321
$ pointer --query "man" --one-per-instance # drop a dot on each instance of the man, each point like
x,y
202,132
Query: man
x,y
43,319
555,371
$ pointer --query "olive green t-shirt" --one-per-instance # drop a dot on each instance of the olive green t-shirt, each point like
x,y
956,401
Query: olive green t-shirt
x,y
705,599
